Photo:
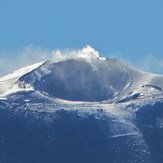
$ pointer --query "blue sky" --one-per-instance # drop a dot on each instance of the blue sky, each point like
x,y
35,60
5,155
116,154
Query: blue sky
x,y
128,29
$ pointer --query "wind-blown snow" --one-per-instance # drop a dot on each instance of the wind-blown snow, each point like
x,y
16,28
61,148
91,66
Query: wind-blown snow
x,y
8,83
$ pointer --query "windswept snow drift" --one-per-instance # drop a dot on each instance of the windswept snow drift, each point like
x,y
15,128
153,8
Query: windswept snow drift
x,y
81,107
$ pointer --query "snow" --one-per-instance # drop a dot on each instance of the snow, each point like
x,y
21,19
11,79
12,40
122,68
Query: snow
x,y
122,135
18,73
8,83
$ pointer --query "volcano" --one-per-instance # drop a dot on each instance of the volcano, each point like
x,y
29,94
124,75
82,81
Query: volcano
x,y
81,108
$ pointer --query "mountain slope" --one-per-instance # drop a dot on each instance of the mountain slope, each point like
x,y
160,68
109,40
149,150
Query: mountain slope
x,y
81,108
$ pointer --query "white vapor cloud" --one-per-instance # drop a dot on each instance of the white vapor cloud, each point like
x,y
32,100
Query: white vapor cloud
x,y
149,62
87,53
152,64
12,60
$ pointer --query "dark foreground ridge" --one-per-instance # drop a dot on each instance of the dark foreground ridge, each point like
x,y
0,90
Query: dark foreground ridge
x,y
70,137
